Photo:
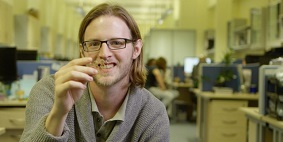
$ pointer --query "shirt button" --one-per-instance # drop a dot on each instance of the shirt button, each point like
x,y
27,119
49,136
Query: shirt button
x,y
98,135
98,120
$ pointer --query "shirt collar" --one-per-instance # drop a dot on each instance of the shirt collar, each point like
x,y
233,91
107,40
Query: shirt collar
x,y
120,115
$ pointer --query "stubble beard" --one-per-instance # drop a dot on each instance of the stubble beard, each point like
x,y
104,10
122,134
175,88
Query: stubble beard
x,y
107,80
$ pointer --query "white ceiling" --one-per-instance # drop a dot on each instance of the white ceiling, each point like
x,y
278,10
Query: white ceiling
x,y
144,11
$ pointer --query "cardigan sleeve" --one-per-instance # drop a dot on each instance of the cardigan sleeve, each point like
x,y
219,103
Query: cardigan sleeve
x,y
37,109
146,120
158,130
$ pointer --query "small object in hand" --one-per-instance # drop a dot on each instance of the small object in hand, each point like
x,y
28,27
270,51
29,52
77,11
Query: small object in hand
x,y
97,63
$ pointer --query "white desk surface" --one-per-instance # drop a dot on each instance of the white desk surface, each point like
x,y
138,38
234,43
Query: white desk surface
x,y
2,130
13,103
176,85
212,95
252,111
273,121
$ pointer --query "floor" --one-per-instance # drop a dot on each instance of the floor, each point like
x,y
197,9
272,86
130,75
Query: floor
x,y
183,132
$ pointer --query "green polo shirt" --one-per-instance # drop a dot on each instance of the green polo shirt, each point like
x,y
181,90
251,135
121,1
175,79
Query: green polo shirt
x,y
103,129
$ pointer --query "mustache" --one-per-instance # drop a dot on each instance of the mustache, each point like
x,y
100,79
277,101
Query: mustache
x,y
98,62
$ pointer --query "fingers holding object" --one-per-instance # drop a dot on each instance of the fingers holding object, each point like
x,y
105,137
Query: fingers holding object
x,y
76,70
74,75
80,62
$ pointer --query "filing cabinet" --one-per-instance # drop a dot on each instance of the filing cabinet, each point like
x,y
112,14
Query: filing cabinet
x,y
13,120
226,122
219,118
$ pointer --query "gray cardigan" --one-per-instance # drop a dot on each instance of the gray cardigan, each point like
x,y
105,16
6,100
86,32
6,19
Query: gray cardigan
x,y
145,119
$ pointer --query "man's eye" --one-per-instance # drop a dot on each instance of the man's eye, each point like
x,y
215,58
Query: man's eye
x,y
94,43
116,42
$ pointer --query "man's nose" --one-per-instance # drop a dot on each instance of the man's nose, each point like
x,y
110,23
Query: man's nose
x,y
104,50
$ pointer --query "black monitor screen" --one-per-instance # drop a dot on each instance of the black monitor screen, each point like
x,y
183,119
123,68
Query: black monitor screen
x,y
26,54
8,64
250,59
265,60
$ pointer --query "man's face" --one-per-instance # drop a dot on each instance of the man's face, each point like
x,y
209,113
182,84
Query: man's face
x,y
117,63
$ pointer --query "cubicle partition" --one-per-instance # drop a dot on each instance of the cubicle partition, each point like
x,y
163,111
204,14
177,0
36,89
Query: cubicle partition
x,y
29,67
210,72
178,72
29,72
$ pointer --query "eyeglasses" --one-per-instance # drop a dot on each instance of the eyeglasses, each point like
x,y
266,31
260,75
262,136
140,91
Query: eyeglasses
x,y
113,44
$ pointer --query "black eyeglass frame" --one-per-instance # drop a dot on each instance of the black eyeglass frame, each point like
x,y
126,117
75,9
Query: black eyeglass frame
x,y
83,44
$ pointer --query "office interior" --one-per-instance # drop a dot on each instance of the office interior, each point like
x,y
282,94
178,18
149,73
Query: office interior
x,y
240,39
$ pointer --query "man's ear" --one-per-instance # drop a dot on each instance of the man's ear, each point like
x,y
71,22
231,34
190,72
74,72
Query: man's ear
x,y
81,51
137,48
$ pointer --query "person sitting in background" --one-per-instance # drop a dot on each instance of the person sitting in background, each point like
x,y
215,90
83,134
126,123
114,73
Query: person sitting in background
x,y
150,79
156,84
151,62
99,97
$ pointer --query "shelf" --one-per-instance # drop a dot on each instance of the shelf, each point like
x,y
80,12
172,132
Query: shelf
x,y
210,51
241,47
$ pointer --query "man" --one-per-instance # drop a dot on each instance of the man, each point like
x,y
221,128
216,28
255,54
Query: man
x,y
99,97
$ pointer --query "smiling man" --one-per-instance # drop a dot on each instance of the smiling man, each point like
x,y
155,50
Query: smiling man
x,y
99,97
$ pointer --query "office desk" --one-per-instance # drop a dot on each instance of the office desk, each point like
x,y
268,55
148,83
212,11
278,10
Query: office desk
x,y
12,119
262,128
276,127
176,85
2,131
184,104
13,103
219,118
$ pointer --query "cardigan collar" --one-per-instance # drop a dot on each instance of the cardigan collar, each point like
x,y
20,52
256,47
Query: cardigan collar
x,y
84,116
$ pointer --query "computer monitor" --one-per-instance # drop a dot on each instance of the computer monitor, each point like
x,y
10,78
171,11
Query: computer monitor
x,y
8,64
26,54
250,59
189,63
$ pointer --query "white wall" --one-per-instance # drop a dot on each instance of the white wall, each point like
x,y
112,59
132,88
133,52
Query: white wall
x,y
174,45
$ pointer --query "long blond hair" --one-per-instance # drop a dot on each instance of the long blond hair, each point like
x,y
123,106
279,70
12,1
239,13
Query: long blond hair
x,y
138,71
